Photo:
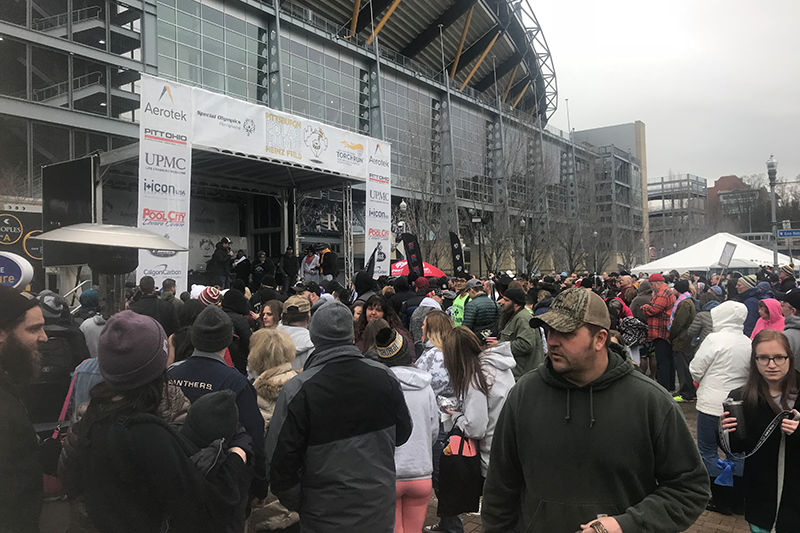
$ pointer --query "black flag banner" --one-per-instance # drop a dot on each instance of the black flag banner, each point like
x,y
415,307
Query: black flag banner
x,y
377,256
458,255
413,254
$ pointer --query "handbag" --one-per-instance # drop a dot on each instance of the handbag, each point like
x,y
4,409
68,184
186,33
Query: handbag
x,y
50,449
460,479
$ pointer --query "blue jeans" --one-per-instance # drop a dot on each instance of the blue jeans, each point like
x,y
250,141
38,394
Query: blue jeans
x,y
707,443
449,524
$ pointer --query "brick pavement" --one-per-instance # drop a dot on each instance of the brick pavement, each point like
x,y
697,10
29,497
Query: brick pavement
x,y
707,523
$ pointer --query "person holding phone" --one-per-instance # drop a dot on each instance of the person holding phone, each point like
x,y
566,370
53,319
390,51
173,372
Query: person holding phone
x,y
771,388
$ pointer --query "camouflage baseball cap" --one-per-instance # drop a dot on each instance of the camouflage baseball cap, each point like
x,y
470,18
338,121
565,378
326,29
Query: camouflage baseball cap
x,y
572,309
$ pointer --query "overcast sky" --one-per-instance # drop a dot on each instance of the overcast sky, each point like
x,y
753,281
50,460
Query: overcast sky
x,y
717,83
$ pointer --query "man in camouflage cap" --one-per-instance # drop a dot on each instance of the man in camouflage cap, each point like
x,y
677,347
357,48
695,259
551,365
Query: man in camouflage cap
x,y
587,443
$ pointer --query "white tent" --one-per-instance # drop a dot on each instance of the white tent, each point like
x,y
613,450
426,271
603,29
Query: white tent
x,y
705,255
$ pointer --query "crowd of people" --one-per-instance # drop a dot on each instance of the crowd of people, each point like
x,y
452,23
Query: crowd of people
x,y
263,404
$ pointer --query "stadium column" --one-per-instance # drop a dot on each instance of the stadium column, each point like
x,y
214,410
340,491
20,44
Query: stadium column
x,y
444,158
149,38
497,171
370,120
273,54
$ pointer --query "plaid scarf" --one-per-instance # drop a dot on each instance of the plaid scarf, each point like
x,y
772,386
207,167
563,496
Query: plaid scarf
x,y
681,298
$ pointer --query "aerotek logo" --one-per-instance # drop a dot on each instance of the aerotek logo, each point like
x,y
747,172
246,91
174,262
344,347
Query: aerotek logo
x,y
165,136
165,112
161,270
154,187
168,92
378,149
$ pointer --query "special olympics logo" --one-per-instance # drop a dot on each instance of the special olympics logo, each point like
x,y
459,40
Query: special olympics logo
x,y
249,126
316,139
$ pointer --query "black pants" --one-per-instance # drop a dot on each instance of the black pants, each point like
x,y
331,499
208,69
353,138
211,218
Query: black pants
x,y
665,364
685,383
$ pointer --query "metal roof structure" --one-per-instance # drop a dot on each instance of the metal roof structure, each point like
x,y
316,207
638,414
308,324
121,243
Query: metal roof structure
x,y
480,40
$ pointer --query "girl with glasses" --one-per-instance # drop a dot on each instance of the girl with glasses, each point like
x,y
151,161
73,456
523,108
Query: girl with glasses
x,y
771,388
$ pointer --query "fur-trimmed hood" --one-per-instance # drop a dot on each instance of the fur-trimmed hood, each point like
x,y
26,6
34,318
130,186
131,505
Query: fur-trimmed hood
x,y
269,384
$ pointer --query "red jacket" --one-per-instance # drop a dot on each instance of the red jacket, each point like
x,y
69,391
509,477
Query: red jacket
x,y
658,312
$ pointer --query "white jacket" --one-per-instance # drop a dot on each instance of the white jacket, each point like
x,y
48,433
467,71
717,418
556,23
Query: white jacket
x,y
302,343
414,459
310,271
722,361
480,412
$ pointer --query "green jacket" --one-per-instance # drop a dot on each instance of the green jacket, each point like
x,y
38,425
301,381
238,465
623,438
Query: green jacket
x,y
679,331
526,343
481,313
563,454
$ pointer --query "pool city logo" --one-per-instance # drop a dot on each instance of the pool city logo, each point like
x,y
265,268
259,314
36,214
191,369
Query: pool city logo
x,y
316,139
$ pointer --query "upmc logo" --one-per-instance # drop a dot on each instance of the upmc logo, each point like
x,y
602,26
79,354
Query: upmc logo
x,y
149,215
163,161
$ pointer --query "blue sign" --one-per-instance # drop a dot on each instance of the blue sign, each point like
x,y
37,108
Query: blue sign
x,y
15,271
783,233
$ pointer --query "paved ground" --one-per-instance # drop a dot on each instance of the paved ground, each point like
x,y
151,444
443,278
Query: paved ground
x,y
55,514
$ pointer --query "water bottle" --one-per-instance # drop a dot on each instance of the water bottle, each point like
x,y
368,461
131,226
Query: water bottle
x,y
735,409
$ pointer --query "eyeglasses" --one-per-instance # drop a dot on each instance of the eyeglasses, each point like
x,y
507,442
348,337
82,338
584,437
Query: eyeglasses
x,y
779,360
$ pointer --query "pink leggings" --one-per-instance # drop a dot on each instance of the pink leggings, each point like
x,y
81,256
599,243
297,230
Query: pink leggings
x,y
412,504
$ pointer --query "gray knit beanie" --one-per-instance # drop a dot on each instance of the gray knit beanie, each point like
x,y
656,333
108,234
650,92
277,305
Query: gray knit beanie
x,y
331,325
132,350
212,330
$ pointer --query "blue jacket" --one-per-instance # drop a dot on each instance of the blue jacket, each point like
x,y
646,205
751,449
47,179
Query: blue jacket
x,y
750,299
207,372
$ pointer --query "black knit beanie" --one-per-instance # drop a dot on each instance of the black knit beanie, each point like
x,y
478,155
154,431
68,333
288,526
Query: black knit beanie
x,y
212,416
392,348
212,331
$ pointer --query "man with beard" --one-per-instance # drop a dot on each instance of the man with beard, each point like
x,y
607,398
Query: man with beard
x,y
21,335
514,326
617,456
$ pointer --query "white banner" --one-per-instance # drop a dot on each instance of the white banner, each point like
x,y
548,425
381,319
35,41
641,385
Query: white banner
x,y
379,206
165,169
227,123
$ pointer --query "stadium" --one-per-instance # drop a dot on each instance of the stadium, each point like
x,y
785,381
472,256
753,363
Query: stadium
x,y
462,90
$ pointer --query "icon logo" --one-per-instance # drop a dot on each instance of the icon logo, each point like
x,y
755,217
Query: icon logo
x,y
168,92
249,126
316,139
378,148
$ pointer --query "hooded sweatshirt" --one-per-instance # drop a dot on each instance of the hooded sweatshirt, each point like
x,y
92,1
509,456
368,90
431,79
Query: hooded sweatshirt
x,y
792,331
92,328
722,362
479,413
775,321
302,343
432,362
564,454
414,459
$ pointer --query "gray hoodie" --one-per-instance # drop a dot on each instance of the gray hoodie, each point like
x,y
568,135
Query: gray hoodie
x,y
479,412
792,331
414,460
92,328
302,342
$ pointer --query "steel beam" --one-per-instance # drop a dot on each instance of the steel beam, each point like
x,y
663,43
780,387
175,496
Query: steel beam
x,y
461,42
510,83
475,49
429,34
364,19
522,93
383,21
502,69
480,60
354,20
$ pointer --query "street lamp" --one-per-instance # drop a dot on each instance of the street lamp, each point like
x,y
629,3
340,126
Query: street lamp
x,y
594,235
403,213
772,171
476,219
522,225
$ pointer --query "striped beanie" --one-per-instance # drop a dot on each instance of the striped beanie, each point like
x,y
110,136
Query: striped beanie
x,y
750,281
392,348
788,270
210,296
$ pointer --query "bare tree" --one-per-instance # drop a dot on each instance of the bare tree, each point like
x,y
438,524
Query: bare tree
x,y
13,179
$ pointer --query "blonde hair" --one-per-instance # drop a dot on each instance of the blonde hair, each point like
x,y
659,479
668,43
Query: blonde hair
x,y
437,325
388,291
270,347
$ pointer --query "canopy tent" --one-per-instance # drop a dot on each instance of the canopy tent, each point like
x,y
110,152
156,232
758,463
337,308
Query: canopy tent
x,y
705,256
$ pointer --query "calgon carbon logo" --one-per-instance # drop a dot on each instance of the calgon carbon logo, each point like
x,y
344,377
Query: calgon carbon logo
x,y
161,270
